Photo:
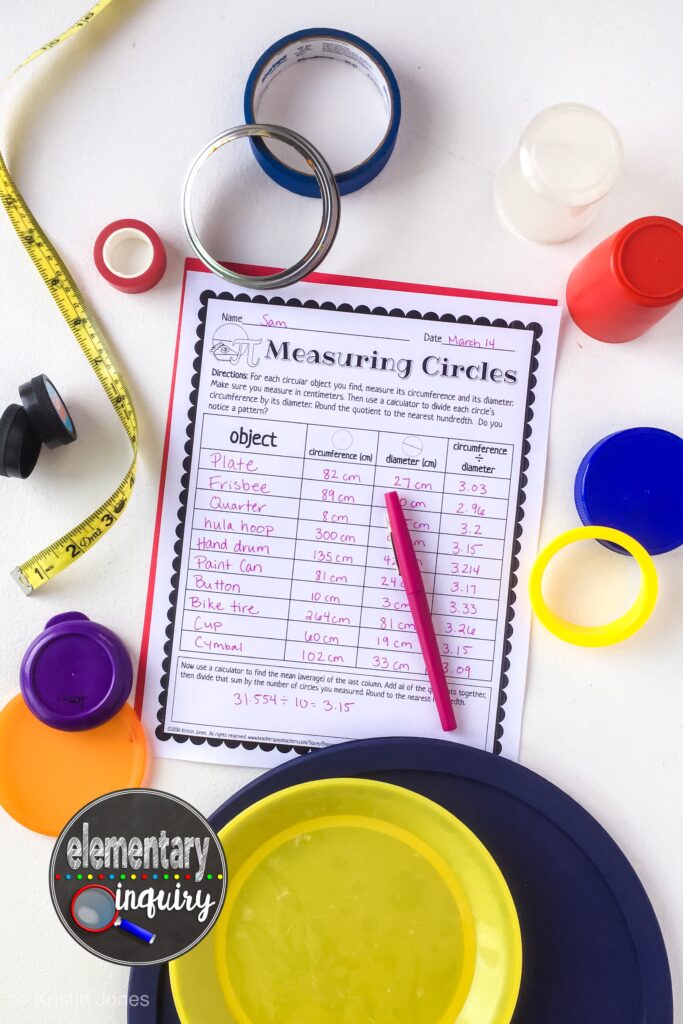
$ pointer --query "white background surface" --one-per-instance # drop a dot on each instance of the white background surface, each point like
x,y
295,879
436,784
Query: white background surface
x,y
105,127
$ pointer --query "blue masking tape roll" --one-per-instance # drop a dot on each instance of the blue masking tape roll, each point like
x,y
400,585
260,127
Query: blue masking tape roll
x,y
306,45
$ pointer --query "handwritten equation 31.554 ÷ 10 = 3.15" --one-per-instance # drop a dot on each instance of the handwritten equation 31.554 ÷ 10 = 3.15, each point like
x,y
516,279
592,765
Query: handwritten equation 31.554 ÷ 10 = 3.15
x,y
241,699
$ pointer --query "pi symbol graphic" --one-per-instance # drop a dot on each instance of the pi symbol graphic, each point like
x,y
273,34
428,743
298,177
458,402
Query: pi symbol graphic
x,y
231,344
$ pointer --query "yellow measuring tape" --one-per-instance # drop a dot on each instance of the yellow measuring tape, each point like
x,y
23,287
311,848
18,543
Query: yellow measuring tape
x,y
40,568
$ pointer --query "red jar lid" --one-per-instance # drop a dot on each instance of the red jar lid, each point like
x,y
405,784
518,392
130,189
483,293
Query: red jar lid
x,y
648,260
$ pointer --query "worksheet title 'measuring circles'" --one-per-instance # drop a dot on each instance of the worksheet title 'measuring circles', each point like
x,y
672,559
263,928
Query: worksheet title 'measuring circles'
x,y
432,365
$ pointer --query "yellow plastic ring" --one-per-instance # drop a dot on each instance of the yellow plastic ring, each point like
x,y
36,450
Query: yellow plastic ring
x,y
612,632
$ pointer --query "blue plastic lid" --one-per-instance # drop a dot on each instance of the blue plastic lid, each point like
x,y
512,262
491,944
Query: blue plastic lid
x,y
633,481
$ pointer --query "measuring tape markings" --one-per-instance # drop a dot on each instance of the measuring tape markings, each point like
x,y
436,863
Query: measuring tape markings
x,y
38,569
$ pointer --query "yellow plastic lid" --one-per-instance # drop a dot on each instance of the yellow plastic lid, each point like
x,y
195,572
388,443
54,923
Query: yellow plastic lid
x,y
352,901
47,775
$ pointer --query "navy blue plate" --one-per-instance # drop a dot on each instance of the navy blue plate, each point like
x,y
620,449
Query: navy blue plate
x,y
593,950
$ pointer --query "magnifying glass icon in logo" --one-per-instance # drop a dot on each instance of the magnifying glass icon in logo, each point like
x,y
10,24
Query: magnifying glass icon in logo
x,y
93,908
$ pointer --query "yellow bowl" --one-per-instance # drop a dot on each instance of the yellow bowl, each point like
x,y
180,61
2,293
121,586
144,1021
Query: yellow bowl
x,y
354,902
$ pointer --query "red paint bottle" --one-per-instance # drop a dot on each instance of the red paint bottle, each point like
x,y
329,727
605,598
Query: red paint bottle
x,y
628,282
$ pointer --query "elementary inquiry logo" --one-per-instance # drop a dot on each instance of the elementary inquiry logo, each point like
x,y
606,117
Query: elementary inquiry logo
x,y
231,344
138,877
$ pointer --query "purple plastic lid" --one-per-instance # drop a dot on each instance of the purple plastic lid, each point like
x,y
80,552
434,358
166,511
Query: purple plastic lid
x,y
76,674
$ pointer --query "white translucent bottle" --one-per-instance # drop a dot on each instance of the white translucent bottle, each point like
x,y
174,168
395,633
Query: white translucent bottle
x,y
567,160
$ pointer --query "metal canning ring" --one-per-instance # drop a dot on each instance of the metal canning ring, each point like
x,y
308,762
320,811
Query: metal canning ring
x,y
329,193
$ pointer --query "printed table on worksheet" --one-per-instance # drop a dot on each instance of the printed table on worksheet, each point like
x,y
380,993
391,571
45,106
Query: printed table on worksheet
x,y
292,536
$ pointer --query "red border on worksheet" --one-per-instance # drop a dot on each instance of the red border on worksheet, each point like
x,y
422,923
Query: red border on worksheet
x,y
370,282
144,646
332,279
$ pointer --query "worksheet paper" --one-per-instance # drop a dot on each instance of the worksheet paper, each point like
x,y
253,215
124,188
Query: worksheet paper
x,y
277,621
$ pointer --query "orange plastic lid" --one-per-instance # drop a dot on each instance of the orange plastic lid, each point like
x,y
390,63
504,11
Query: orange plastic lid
x,y
649,260
47,775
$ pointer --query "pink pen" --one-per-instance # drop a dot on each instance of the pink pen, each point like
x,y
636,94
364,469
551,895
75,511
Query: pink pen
x,y
409,570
